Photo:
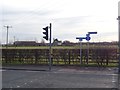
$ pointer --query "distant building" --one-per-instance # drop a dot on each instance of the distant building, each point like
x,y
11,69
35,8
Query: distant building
x,y
56,42
25,43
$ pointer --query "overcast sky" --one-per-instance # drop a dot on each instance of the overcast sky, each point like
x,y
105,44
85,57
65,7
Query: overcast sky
x,y
69,18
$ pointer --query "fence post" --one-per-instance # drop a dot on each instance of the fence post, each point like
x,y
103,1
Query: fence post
x,y
36,57
69,56
6,56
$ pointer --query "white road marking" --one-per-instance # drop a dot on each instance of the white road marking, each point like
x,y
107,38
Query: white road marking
x,y
18,86
113,79
112,74
2,70
32,71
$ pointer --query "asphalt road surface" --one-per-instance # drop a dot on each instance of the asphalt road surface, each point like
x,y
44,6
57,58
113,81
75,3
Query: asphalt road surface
x,y
61,78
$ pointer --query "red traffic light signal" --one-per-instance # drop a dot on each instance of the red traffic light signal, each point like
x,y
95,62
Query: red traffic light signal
x,y
45,33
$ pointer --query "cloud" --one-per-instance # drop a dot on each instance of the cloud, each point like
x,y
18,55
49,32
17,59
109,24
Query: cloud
x,y
17,14
69,18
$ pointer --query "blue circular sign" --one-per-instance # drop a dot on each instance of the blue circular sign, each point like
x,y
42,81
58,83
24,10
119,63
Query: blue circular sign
x,y
88,38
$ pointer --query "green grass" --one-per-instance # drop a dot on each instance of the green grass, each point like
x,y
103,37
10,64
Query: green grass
x,y
58,47
43,47
90,64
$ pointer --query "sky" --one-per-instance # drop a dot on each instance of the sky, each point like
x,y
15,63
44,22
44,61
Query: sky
x,y
69,18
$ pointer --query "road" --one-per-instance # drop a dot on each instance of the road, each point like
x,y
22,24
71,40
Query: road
x,y
60,78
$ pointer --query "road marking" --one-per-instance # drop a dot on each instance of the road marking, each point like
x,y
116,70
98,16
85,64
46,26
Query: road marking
x,y
18,86
112,74
113,79
2,70
32,71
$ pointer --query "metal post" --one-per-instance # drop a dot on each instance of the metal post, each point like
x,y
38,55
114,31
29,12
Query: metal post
x,y
87,52
14,38
88,38
119,51
50,47
7,37
80,52
119,44
119,40
80,39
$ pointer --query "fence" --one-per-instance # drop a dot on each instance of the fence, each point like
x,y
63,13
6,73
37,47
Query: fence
x,y
99,56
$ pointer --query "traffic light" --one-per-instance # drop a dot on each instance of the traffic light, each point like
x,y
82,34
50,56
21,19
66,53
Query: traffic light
x,y
45,33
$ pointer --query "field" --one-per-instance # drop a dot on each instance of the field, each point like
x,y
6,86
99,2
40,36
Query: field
x,y
62,55
61,47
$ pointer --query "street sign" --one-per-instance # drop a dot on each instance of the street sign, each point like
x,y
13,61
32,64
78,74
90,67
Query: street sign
x,y
88,38
92,32
80,38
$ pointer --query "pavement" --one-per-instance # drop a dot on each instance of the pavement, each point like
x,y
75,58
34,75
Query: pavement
x,y
37,76
59,67
26,67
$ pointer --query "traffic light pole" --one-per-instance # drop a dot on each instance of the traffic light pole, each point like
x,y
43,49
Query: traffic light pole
x,y
50,63
46,32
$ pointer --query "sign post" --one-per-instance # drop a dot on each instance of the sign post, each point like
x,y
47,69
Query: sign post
x,y
80,40
88,39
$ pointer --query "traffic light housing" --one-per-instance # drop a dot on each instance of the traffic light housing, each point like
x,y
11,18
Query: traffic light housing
x,y
45,33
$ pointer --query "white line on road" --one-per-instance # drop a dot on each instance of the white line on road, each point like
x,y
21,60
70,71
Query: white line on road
x,y
2,70
112,74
